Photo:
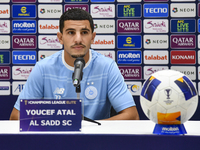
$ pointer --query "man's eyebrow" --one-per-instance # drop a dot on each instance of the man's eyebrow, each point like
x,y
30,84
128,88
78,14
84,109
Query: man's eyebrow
x,y
70,29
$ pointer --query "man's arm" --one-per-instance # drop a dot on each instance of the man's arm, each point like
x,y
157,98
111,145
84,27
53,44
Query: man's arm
x,y
130,113
14,114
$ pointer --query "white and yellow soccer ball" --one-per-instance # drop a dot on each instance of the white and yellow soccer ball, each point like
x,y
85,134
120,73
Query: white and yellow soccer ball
x,y
168,97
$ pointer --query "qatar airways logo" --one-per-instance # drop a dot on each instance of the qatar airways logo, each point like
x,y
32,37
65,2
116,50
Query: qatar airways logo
x,y
49,42
21,72
102,10
155,25
183,57
4,72
24,41
129,26
4,26
131,72
48,26
183,41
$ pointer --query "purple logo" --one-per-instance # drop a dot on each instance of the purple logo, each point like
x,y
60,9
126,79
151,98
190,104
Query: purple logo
x,y
24,41
199,9
129,26
131,72
4,72
70,6
22,1
183,41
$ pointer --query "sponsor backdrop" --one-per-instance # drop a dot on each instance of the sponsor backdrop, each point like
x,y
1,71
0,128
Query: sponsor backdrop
x,y
142,36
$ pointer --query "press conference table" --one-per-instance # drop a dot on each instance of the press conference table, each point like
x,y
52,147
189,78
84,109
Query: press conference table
x,y
112,135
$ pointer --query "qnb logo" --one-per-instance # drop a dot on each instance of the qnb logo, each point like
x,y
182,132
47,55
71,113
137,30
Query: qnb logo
x,y
24,57
129,55
156,10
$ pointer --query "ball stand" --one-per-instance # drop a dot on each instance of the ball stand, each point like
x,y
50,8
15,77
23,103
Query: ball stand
x,y
162,129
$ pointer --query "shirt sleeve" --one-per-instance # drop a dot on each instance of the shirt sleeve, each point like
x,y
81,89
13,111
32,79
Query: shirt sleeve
x,y
118,93
33,88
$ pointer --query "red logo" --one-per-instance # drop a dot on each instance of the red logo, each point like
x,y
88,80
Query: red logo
x,y
183,57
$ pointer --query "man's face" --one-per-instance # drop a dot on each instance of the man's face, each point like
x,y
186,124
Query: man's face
x,y
77,37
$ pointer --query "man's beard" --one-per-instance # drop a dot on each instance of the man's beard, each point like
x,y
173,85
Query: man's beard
x,y
76,56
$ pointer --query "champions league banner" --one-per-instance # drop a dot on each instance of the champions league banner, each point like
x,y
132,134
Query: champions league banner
x,y
50,115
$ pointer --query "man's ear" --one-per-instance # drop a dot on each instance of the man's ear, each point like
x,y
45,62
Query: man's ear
x,y
93,36
59,35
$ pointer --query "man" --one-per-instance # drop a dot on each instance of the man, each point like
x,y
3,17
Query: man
x,y
102,85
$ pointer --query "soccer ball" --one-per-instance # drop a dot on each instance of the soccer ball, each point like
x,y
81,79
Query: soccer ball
x,y
168,97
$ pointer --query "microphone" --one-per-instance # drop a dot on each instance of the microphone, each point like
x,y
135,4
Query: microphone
x,y
79,64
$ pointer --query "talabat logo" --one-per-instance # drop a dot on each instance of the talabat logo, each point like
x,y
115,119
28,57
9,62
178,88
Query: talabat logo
x,y
102,10
156,41
156,57
24,57
24,26
24,11
4,42
48,26
183,41
188,71
134,87
129,57
183,57
76,1
49,11
155,25
104,42
149,70
4,57
83,6
132,41
156,10
183,26
4,72
4,11
4,26
183,9
129,26
104,26
129,11
49,42
24,41
21,72
131,72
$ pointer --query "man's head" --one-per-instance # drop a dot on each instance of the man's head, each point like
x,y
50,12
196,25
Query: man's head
x,y
76,34
76,14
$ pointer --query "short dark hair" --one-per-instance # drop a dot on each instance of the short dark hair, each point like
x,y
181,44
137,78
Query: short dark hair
x,y
76,14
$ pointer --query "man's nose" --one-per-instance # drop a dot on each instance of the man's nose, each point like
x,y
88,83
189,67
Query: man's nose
x,y
78,38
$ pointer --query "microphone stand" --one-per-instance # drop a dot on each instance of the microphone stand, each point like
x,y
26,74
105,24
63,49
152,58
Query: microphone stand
x,y
78,90
78,87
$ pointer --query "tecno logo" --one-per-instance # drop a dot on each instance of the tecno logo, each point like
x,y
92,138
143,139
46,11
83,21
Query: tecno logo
x,y
156,10
183,57
24,57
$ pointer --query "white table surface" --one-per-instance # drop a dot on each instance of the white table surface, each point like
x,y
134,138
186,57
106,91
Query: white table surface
x,y
107,127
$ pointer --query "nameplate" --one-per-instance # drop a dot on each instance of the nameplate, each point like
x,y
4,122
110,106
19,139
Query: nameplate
x,y
50,115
